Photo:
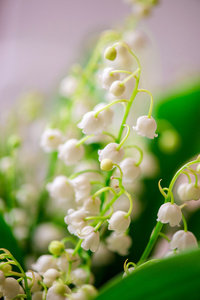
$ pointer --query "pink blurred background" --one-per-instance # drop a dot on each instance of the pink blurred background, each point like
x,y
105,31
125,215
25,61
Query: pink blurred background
x,y
39,40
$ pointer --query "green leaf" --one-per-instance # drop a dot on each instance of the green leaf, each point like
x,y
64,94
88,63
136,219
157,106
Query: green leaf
x,y
175,278
8,241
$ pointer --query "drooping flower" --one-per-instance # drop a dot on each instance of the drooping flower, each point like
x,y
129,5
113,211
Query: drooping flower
x,y
108,77
61,188
146,127
170,213
91,124
119,222
130,170
110,152
70,153
90,238
183,240
51,139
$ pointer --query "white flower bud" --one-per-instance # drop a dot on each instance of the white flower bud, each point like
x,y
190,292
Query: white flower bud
x,y
50,276
2,277
82,188
130,170
183,240
91,124
37,296
92,206
51,139
58,291
119,243
170,213
107,113
110,53
193,192
119,222
36,286
75,219
102,256
61,188
108,78
91,238
117,88
44,263
181,191
68,86
63,260
70,153
79,276
106,164
10,287
146,127
110,152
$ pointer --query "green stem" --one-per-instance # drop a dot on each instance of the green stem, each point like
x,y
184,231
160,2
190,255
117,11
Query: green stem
x,y
85,138
78,245
103,190
140,150
125,138
151,104
184,223
109,105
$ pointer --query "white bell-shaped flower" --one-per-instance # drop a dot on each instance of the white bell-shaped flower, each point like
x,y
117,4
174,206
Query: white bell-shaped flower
x,y
68,86
117,88
130,170
110,152
91,124
57,291
70,153
85,292
92,206
82,188
107,113
63,260
91,238
119,243
79,276
193,192
146,127
108,78
170,213
10,288
119,222
44,263
75,219
61,188
50,276
51,139
182,192
35,279
183,240
2,277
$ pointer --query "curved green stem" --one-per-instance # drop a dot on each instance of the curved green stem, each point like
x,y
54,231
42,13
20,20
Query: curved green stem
x,y
109,105
131,204
125,138
141,153
184,223
103,190
129,50
170,192
85,138
164,236
151,104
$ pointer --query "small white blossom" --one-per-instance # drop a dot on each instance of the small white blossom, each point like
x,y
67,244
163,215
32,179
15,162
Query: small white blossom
x,y
117,88
119,243
10,287
146,127
130,170
58,291
92,206
63,260
108,78
68,86
44,263
91,124
107,113
51,139
193,192
119,222
170,213
85,292
183,240
110,152
79,276
61,188
70,153
50,276
82,188
91,238
75,219
181,191
36,287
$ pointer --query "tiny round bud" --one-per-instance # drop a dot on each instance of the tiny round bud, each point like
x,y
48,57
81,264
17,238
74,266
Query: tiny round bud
x,y
56,248
110,53
106,164
117,88
5,268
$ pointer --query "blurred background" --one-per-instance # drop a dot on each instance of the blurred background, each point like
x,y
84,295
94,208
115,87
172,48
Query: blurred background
x,y
39,40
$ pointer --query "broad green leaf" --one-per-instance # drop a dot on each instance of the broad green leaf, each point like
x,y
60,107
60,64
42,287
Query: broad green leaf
x,y
174,278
